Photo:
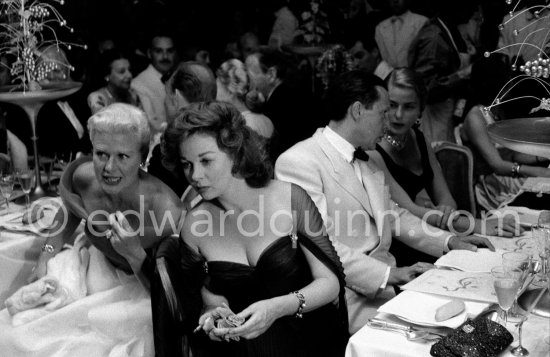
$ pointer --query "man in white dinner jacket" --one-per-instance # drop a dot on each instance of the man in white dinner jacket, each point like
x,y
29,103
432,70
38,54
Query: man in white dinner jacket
x,y
353,198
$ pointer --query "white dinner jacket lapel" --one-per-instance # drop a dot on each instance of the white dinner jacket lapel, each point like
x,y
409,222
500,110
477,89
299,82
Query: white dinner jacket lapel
x,y
378,193
343,172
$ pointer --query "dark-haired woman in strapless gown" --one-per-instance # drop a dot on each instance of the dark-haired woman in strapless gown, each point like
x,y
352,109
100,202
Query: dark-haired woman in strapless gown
x,y
253,245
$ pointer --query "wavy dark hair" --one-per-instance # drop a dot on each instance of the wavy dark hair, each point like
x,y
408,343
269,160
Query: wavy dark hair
x,y
225,124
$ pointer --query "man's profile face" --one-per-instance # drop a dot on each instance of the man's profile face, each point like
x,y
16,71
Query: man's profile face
x,y
162,54
370,127
363,58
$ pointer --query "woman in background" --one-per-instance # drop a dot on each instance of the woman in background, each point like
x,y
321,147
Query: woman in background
x,y
500,172
232,81
118,76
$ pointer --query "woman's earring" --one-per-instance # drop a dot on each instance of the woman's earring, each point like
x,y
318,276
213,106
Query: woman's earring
x,y
418,121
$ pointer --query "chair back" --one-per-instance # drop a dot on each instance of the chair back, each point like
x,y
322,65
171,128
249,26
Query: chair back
x,y
166,289
457,164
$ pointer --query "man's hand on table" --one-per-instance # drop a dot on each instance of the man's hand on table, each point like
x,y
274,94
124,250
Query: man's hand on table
x,y
470,243
507,227
403,275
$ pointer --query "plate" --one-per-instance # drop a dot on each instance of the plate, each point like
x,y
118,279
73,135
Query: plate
x,y
419,309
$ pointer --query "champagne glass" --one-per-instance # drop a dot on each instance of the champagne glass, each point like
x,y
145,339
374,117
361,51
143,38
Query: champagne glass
x,y
6,186
506,284
521,261
26,181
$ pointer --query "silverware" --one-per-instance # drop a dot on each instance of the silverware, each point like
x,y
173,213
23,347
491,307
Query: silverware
x,y
409,332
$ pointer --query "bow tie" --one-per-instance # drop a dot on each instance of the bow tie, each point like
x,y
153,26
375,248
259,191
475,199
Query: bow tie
x,y
395,19
360,154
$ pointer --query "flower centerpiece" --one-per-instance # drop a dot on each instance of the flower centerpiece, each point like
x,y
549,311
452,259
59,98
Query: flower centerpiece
x,y
332,62
314,25
28,28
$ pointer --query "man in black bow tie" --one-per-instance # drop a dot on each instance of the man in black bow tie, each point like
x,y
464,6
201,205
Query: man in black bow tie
x,y
353,197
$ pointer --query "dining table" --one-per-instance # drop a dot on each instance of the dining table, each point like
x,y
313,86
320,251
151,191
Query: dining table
x,y
461,275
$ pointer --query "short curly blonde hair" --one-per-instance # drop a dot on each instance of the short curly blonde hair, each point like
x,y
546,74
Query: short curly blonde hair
x,y
232,75
122,118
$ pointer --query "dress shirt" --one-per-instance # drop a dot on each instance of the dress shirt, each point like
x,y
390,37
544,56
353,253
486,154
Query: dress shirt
x,y
148,84
346,150
395,35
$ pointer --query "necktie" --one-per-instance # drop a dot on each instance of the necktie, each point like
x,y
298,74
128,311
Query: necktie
x,y
360,154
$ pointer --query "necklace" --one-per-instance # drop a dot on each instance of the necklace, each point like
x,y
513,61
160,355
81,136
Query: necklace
x,y
396,143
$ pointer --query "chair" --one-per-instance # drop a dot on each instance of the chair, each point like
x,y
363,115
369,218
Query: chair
x,y
457,164
165,299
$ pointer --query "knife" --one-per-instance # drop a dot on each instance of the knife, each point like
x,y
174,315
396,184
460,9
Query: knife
x,y
376,322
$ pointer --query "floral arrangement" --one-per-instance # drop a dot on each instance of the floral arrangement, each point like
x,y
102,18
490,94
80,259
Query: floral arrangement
x,y
27,29
536,69
314,24
332,62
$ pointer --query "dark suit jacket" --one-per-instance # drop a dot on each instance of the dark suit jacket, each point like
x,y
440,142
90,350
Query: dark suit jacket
x,y
294,113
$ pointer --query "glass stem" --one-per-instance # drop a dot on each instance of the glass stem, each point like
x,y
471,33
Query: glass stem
x,y
520,329
27,199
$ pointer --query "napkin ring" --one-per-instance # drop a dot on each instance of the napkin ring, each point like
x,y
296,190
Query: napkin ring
x,y
302,301
48,248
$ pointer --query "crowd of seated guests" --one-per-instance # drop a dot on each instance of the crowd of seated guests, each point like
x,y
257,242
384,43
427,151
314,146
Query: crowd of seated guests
x,y
200,137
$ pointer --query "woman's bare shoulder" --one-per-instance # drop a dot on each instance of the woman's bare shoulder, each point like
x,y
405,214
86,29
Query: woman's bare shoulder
x,y
83,177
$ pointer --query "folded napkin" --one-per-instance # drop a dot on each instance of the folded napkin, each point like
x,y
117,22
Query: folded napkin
x,y
420,308
481,261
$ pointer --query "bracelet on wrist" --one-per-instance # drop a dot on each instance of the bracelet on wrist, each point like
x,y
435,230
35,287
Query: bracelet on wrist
x,y
302,301
48,248
515,169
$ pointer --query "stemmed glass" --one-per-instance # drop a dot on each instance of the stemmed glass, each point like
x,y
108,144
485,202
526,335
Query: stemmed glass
x,y
522,262
506,282
6,186
519,350
541,235
26,181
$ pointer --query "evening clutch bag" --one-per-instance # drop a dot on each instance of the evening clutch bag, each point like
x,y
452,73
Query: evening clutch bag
x,y
480,337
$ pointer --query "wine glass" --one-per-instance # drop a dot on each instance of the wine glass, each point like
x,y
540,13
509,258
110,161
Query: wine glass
x,y
7,182
26,181
541,235
506,282
522,262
